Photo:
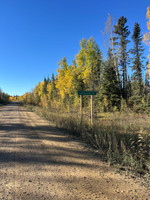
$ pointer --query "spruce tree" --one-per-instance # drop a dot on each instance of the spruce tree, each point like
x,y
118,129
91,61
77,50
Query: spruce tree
x,y
129,87
137,53
44,90
147,84
54,90
110,85
122,31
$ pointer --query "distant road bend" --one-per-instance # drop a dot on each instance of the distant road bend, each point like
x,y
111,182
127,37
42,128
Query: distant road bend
x,y
38,162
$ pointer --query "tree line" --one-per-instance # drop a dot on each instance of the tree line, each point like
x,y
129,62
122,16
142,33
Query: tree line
x,y
4,98
116,88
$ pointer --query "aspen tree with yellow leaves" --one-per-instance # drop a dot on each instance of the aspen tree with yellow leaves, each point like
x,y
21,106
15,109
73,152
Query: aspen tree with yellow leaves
x,y
61,81
89,63
36,94
28,98
65,82
146,39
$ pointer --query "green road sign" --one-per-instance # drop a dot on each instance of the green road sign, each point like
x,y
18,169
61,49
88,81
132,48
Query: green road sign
x,y
86,93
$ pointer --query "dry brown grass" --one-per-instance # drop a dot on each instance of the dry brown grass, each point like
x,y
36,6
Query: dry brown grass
x,y
127,122
123,138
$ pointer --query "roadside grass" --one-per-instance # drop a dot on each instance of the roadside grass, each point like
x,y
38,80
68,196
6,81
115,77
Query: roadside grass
x,y
3,104
122,138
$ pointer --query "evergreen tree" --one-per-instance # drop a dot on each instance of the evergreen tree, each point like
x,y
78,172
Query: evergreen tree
x,y
51,88
111,93
129,87
53,82
44,89
98,68
122,31
147,85
137,66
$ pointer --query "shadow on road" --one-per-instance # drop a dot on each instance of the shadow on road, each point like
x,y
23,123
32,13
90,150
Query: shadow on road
x,y
26,144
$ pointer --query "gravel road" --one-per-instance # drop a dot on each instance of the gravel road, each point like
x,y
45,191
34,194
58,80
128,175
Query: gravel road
x,y
38,162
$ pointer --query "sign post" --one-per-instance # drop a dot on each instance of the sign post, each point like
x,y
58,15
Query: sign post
x,y
90,93
91,109
81,106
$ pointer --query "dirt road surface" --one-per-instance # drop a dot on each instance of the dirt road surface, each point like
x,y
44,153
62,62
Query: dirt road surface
x,y
38,162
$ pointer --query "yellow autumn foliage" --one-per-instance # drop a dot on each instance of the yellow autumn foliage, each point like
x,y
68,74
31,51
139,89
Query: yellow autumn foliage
x,y
41,88
146,39
36,91
65,80
44,101
49,88
12,98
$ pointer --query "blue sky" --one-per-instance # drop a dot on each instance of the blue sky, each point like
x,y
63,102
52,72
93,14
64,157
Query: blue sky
x,y
36,34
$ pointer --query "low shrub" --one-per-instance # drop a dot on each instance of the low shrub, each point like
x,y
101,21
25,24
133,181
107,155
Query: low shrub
x,y
120,143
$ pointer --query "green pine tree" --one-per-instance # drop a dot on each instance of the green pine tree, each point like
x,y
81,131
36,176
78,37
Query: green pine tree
x,y
122,31
137,53
110,86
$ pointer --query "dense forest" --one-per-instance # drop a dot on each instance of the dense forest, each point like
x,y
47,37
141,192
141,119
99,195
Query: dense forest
x,y
117,90
4,98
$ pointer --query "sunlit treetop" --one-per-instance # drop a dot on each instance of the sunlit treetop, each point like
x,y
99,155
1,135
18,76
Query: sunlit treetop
x,y
146,39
